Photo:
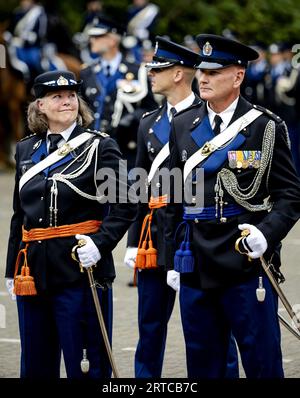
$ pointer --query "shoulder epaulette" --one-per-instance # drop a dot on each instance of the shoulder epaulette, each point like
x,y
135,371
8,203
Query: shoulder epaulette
x,y
272,115
148,113
97,132
27,136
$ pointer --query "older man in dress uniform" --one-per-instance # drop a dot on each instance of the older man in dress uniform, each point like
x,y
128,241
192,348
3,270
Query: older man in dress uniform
x,y
237,154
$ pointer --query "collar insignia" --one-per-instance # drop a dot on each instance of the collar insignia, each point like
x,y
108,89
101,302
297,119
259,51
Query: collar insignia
x,y
184,156
37,144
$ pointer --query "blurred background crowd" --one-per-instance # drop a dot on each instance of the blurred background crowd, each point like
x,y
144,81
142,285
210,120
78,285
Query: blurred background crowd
x,y
48,35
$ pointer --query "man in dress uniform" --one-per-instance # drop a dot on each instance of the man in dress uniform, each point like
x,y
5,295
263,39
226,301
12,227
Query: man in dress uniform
x,y
57,201
117,90
241,153
172,72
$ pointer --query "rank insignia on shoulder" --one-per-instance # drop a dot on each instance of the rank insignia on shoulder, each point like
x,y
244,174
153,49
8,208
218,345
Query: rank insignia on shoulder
x,y
37,144
104,135
244,159
148,113
98,132
268,112
27,136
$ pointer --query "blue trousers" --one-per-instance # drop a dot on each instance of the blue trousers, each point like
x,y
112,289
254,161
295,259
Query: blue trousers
x,y
155,305
63,322
208,317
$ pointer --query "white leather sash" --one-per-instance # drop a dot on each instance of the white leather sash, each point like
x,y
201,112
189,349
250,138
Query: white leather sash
x,y
158,161
54,157
218,141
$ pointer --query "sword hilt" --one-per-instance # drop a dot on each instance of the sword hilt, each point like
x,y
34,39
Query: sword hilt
x,y
80,243
239,246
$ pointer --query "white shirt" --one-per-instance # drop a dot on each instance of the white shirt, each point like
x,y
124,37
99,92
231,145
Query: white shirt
x,y
65,135
113,63
181,105
226,115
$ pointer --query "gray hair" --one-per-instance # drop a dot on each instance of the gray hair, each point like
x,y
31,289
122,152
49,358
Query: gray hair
x,y
38,122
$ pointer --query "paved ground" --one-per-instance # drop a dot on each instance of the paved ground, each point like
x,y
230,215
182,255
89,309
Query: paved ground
x,y
125,306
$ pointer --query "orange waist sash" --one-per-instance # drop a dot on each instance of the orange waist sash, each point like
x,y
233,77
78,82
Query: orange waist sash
x,y
24,283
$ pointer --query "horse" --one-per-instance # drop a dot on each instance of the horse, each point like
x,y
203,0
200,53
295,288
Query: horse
x,y
14,96
12,102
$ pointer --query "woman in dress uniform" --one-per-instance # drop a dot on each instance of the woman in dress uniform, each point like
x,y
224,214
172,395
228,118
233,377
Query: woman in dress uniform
x,y
56,202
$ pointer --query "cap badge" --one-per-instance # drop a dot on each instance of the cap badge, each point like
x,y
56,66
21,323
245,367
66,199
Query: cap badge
x,y
62,81
207,49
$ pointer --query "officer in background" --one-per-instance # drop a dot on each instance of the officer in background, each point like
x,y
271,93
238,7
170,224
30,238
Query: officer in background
x,y
57,201
256,83
238,155
282,95
26,36
117,90
172,73
142,18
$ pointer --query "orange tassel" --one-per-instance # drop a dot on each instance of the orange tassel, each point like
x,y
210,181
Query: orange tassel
x,y
140,261
24,283
147,258
151,256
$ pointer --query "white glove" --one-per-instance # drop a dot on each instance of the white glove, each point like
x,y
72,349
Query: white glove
x,y
173,279
130,256
9,282
88,254
255,240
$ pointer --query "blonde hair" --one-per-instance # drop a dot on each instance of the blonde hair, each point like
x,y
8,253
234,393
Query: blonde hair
x,y
38,122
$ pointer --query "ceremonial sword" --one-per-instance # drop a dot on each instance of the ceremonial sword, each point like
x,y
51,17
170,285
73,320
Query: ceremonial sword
x,y
93,286
266,267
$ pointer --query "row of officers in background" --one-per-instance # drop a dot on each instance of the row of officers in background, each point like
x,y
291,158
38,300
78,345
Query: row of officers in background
x,y
115,85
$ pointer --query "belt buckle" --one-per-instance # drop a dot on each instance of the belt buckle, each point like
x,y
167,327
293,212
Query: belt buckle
x,y
64,149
